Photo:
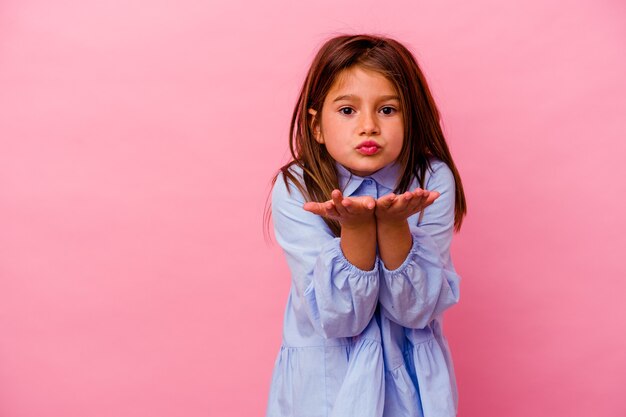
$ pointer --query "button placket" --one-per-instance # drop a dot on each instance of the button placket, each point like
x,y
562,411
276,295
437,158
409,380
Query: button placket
x,y
370,185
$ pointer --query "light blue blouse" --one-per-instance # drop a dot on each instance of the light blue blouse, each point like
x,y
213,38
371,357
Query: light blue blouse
x,y
365,343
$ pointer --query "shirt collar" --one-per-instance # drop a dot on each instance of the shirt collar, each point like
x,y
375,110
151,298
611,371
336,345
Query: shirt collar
x,y
387,176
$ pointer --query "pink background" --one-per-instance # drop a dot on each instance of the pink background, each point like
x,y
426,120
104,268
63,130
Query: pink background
x,y
137,142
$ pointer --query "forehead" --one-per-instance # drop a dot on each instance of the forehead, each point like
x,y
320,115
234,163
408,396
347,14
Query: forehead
x,y
361,81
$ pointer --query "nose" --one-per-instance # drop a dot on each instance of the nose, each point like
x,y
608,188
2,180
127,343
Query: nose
x,y
368,124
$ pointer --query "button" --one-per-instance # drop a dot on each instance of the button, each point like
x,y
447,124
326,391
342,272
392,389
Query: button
x,y
368,182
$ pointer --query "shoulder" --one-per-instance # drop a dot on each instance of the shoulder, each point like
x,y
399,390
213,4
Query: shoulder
x,y
285,189
287,204
440,178
439,175
441,213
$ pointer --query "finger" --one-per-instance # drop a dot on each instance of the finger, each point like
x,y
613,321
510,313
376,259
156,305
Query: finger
x,y
419,192
336,196
348,205
432,197
331,210
394,202
428,199
370,203
337,200
421,195
403,200
314,207
413,205
387,200
411,202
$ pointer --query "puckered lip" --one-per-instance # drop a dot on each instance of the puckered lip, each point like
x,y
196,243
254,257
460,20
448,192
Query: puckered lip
x,y
368,143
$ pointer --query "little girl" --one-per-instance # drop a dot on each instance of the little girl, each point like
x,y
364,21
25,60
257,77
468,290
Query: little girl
x,y
365,214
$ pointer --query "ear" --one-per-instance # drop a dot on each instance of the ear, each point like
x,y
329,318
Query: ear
x,y
315,127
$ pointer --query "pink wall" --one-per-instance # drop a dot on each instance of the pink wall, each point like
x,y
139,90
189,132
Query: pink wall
x,y
137,141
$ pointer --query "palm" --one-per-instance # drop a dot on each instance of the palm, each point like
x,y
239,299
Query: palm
x,y
397,208
346,210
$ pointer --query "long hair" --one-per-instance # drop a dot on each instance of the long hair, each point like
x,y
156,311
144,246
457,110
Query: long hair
x,y
422,131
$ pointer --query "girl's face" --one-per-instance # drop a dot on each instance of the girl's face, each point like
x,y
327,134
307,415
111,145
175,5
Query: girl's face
x,y
361,121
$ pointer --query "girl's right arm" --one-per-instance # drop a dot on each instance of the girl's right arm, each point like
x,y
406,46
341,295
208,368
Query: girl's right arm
x,y
340,297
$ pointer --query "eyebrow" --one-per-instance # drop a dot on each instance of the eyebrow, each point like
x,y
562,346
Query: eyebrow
x,y
353,97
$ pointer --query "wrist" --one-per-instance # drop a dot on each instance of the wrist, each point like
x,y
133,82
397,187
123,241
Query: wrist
x,y
394,242
358,244
392,224
364,224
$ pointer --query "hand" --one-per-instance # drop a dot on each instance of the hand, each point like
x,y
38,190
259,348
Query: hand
x,y
395,209
351,211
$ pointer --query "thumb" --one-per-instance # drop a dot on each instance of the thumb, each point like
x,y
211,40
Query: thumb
x,y
388,200
370,203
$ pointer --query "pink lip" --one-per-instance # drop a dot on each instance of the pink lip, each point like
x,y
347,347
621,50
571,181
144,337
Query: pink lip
x,y
368,147
368,143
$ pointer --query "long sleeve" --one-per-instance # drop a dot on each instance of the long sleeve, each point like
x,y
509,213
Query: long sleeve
x,y
426,284
339,298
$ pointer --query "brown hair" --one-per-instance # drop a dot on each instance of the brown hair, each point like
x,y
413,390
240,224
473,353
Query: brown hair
x,y
422,131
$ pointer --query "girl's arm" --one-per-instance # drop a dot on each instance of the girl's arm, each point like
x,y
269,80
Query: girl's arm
x,y
394,236
358,245
358,226
339,297
418,281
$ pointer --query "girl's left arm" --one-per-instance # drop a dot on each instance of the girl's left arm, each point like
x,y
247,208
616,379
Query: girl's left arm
x,y
425,284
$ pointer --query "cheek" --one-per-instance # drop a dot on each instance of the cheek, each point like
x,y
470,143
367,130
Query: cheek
x,y
332,126
398,134
395,128
336,134
398,144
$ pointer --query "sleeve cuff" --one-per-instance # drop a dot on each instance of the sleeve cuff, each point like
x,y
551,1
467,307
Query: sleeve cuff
x,y
401,269
335,249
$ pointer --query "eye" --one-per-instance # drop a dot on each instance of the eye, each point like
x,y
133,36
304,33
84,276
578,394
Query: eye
x,y
350,110
388,110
